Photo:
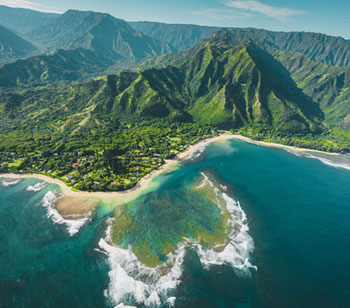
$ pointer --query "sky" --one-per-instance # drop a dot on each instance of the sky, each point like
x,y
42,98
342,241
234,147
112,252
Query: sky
x,y
325,16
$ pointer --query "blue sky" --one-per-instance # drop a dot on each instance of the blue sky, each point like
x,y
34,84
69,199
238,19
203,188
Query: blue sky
x,y
330,17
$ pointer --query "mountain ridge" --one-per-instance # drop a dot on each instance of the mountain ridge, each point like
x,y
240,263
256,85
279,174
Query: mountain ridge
x,y
98,31
12,46
320,47
21,20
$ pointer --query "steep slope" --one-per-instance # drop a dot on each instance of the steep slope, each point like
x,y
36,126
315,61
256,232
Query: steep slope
x,y
243,85
224,85
12,46
90,30
177,35
82,45
327,85
24,20
319,47
61,65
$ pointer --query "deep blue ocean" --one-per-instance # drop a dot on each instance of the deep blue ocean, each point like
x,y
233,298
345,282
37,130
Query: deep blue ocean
x,y
297,209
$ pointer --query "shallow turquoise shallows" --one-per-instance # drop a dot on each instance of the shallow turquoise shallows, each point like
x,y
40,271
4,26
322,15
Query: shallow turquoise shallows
x,y
298,213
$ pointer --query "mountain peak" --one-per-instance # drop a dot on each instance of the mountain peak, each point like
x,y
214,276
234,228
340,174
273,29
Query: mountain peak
x,y
96,31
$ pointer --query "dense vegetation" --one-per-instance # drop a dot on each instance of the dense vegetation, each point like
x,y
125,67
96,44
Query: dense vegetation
x,y
79,45
105,160
107,133
22,20
318,47
12,46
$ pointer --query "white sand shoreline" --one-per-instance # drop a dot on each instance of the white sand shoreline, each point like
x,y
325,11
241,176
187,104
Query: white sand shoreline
x,y
144,182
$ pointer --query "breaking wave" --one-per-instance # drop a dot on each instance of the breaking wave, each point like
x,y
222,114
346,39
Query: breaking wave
x,y
237,251
341,161
332,163
132,282
37,187
73,226
198,152
6,183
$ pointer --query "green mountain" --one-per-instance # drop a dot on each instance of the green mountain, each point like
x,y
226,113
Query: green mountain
x,y
24,20
83,45
222,84
179,36
13,47
109,132
223,81
58,66
97,31
327,85
319,47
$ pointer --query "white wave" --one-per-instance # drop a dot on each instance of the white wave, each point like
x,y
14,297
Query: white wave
x,y
6,183
37,187
331,161
171,301
198,152
73,226
123,306
237,251
131,280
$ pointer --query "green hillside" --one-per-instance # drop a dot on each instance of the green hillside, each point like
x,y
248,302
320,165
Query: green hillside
x,y
97,31
79,45
23,20
58,66
319,47
13,46
107,133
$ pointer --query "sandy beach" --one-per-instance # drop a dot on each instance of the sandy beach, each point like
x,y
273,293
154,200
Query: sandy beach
x,y
81,202
280,146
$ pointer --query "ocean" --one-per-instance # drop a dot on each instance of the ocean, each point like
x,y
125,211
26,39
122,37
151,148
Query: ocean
x,y
292,248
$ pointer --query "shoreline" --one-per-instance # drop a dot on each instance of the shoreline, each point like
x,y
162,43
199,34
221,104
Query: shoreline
x,y
117,198
140,186
281,146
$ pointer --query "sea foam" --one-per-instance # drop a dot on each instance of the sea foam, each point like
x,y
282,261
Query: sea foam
x,y
73,226
198,152
37,187
6,183
342,161
131,281
237,251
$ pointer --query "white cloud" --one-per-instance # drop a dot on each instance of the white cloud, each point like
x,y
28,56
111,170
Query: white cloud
x,y
219,14
279,13
29,5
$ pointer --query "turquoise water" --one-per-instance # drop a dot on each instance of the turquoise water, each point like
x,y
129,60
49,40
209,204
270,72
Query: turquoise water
x,y
298,213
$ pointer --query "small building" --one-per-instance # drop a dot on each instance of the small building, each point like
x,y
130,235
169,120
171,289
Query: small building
x,y
114,183
74,165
